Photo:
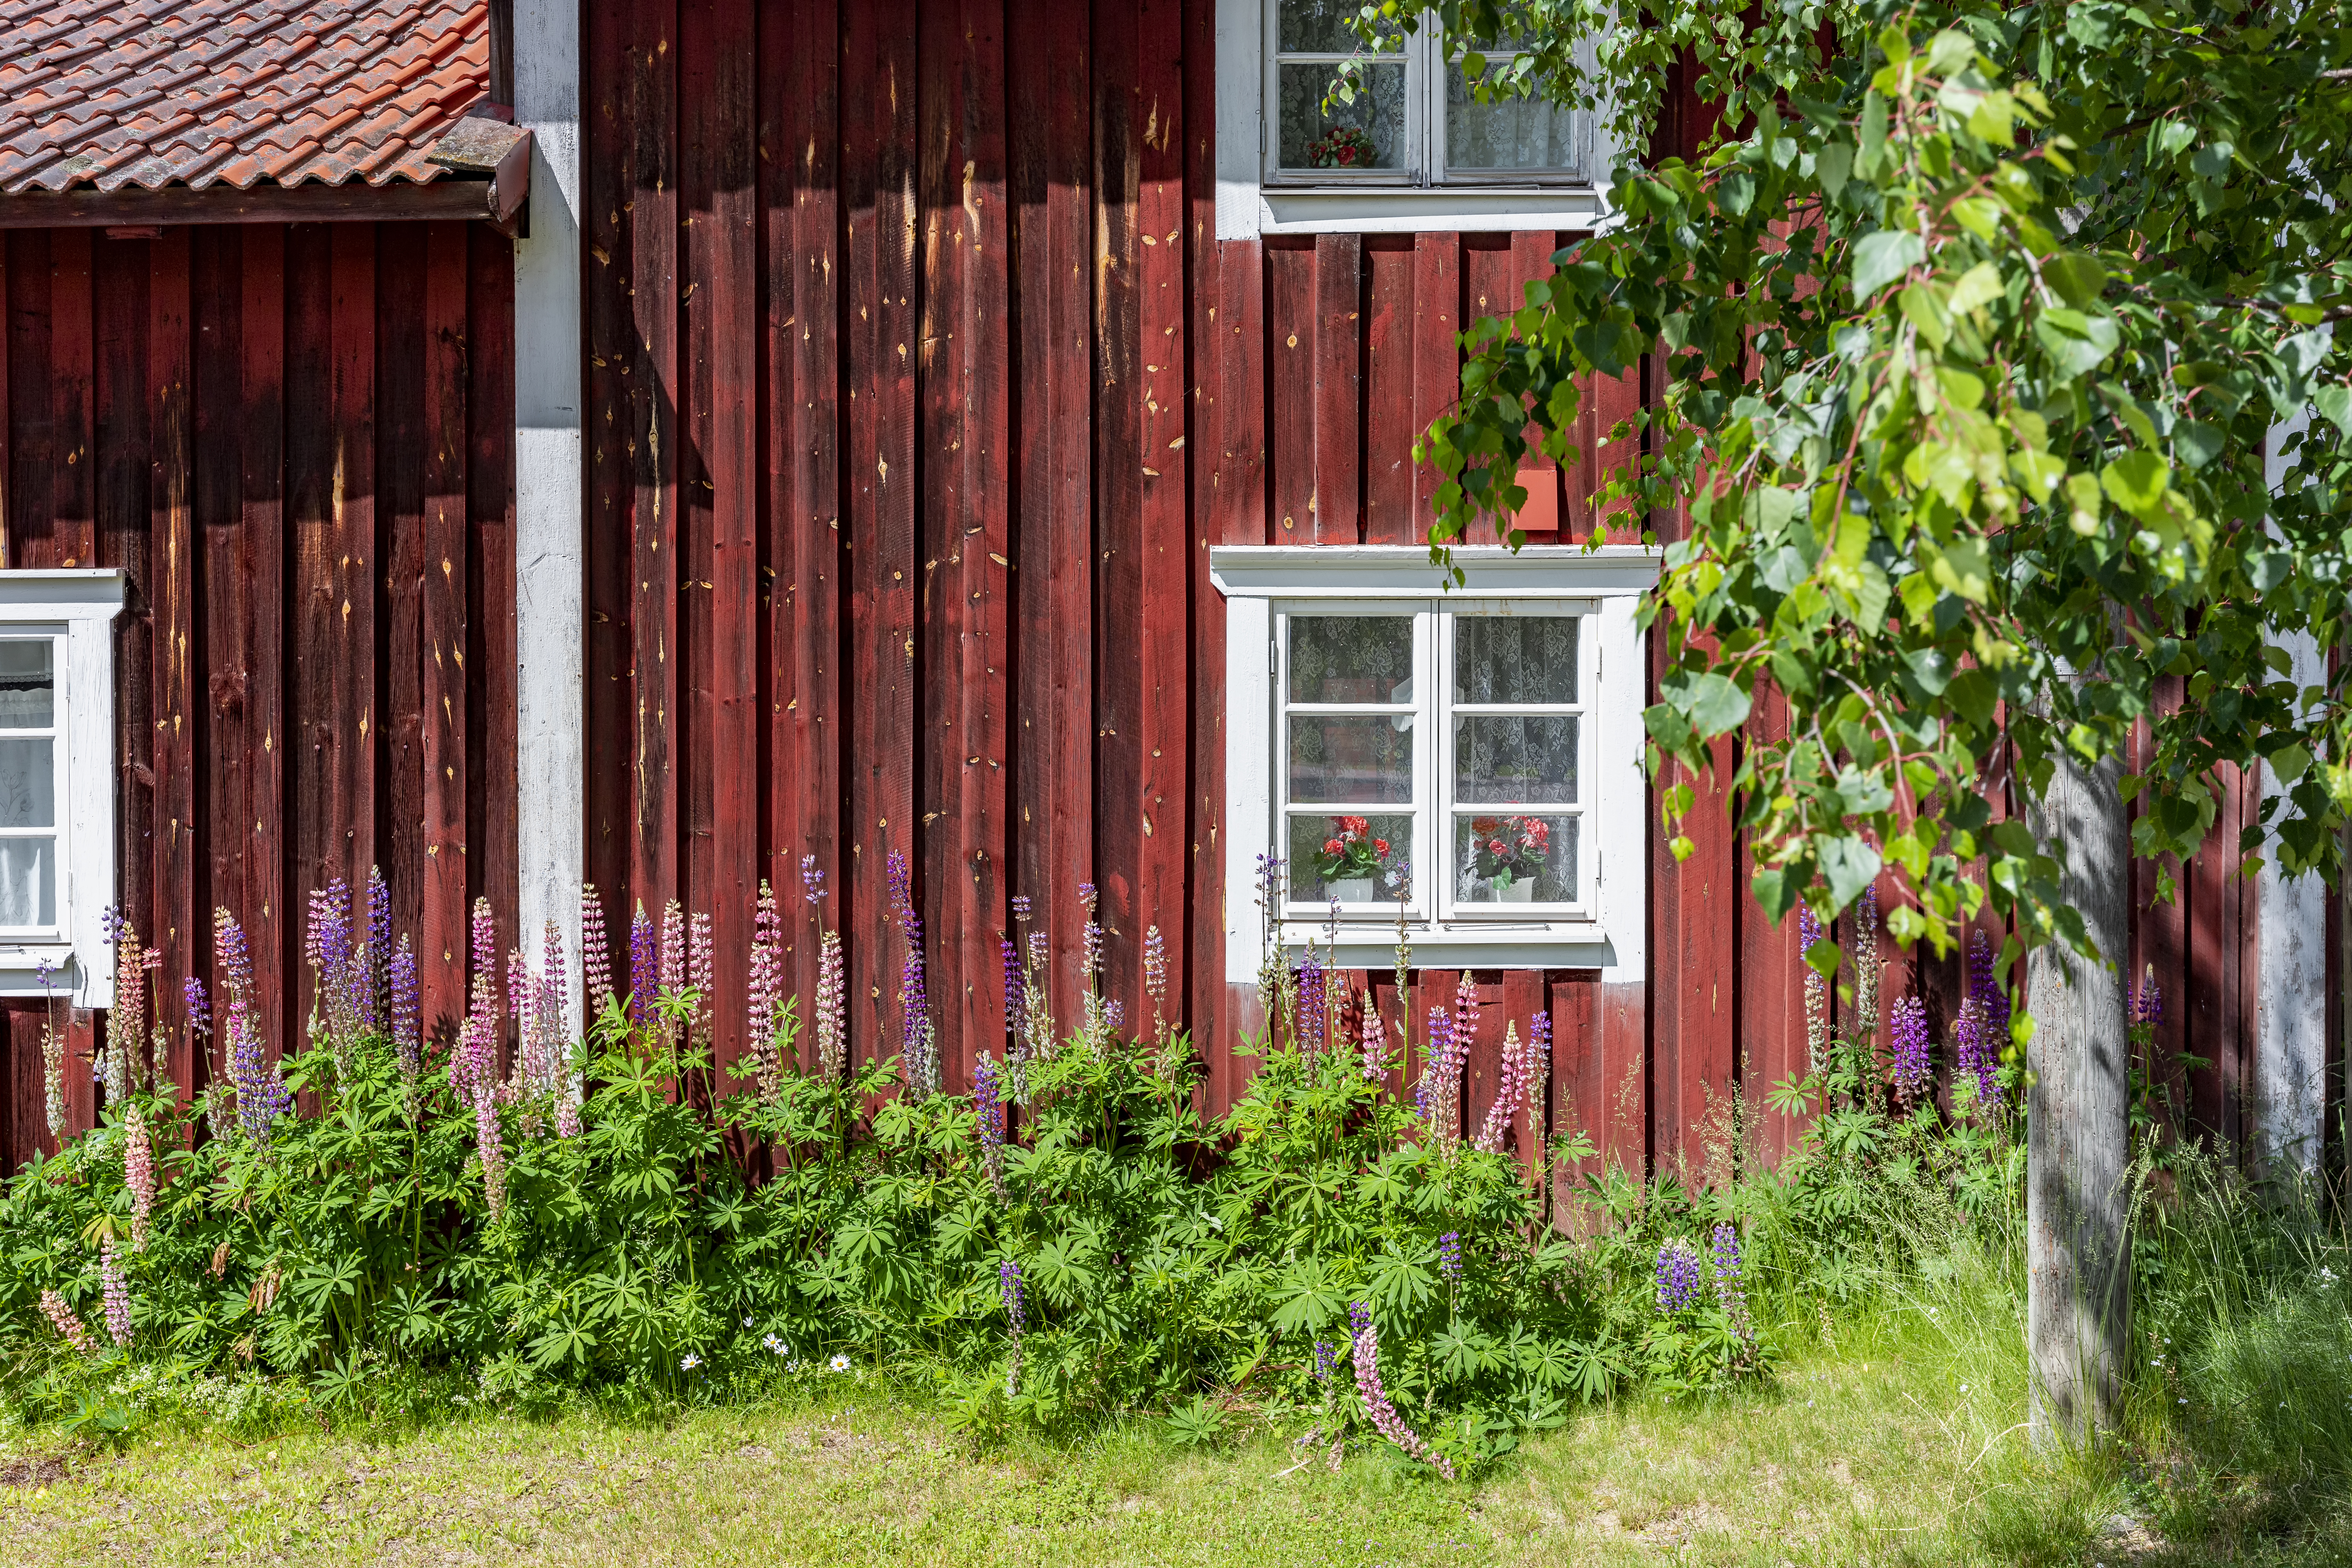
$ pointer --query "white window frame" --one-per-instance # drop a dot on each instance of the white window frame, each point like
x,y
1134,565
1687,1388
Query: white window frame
x,y
1256,196
76,608
1604,928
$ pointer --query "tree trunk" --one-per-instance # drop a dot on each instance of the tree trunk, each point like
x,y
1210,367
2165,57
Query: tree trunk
x,y
2077,1247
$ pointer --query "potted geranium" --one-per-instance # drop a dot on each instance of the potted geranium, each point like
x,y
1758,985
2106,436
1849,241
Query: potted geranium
x,y
1507,852
1343,147
1351,860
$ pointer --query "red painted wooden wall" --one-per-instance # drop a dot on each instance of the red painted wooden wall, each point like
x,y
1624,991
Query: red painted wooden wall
x,y
297,442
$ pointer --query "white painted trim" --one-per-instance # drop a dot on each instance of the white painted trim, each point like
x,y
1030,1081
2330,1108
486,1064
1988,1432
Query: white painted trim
x,y
80,604
1609,582
551,498
1405,571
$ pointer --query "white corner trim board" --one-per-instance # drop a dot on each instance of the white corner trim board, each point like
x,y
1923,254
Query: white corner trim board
x,y
76,607
1260,584
549,488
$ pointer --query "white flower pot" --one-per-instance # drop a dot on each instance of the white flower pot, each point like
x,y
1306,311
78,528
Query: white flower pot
x,y
1350,890
1520,890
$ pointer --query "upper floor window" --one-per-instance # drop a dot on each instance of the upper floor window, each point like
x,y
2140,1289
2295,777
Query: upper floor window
x,y
1402,114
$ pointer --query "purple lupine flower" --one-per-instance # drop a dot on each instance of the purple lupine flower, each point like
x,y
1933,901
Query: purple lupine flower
x,y
1009,1290
1449,1256
111,924
118,1292
200,1007
1817,991
1730,1292
1327,1357
1269,879
896,873
915,1008
1677,1275
812,881
1433,1065
1114,1016
1979,1030
261,1096
1308,1023
482,1059
2147,1007
1016,985
408,1042
1020,908
988,1100
1365,1351
595,960
1908,1028
379,954
643,980
1539,1065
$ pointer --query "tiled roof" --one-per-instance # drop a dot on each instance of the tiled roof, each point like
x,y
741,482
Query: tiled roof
x,y
156,92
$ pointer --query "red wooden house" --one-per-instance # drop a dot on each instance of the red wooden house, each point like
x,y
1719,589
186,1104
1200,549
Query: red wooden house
x,y
980,430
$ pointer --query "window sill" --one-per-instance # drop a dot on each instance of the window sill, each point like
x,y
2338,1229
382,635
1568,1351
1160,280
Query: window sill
x,y
20,974
1407,209
1466,944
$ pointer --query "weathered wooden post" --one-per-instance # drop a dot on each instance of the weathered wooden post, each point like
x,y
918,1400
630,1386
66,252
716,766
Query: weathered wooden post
x,y
2077,1249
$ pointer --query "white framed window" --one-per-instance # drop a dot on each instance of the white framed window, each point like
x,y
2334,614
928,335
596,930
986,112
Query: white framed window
x,y
1466,763
1318,131
57,780
1339,113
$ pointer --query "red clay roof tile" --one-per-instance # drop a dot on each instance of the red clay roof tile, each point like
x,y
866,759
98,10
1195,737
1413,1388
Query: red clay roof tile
x,y
154,92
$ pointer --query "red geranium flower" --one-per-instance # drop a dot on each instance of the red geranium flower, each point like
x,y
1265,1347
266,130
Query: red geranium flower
x,y
1380,846
1332,846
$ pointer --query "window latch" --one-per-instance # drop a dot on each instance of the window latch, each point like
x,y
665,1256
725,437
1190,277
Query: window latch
x,y
1273,658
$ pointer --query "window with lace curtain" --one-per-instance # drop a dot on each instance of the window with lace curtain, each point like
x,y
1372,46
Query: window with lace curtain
x,y
1401,112
56,781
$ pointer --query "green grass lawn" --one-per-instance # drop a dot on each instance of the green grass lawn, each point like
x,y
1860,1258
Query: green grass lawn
x,y
1890,1439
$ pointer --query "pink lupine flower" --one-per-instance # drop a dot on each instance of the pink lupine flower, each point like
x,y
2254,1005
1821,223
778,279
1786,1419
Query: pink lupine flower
x,y
138,1173
1366,1353
700,974
62,1317
594,959
117,1293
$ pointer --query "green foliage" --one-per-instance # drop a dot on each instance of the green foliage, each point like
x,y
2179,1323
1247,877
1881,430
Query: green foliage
x,y
1973,332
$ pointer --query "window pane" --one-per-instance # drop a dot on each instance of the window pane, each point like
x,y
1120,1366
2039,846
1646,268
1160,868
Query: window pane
x,y
1354,760
1515,658
1515,860
1356,859
1516,134
27,784
1322,28
1351,659
28,684
28,882
1510,759
1368,133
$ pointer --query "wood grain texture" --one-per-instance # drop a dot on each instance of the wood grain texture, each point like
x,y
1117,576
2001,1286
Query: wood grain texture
x,y
442,638
269,505
175,841
655,527
1338,398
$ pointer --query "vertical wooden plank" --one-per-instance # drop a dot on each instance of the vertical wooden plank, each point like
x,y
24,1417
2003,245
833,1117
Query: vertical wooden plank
x,y
1049,161
1119,553
722,509
775,130
315,769
1437,352
443,637
269,511
403,455
31,449
613,434
878,182
354,570
656,431
1201,981
9,404
223,597
181,823
1164,559
2212,954
817,715
1338,408
491,785
72,522
967,525
1389,429
122,464
1291,321
1531,251
1579,1090
1772,993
